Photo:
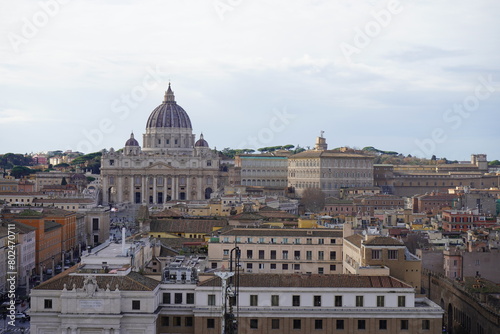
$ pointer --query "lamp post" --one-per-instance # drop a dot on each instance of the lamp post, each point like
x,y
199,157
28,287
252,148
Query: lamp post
x,y
53,266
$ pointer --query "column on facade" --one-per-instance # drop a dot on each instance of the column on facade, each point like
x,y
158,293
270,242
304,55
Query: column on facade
x,y
105,190
107,331
143,189
155,195
188,187
132,189
199,187
64,330
119,188
175,188
74,330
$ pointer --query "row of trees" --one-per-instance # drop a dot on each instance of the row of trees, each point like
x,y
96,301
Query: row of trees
x,y
231,153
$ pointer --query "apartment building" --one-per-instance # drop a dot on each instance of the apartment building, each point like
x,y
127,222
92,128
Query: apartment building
x,y
368,254
264,170
279,250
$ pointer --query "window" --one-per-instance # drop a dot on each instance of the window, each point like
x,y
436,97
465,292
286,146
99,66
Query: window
x,y
296,300
189,298
211,300
339,324
47,303
254,300
285,240
321,270
188,321
249,265
225,252
284,266
426,324
359,301
285,255
404,324
254,323
296,254
401,301
309,241
309,255
273,266
249,253
375,254
261,254
338,301
321,255
380,301
296,266
166,298
261,265
178,298
273,255
332,241
210,323
361,324
333,267
136,304
165,321
382,324
177,321
297,324
392,254
275,300
297,241
318,324
275,323
333,255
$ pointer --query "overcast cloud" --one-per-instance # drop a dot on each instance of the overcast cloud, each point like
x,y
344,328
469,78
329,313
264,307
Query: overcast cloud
x,y
418,77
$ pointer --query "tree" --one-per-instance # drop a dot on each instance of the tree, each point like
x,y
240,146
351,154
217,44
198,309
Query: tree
x,y
20,171
313,200
64,182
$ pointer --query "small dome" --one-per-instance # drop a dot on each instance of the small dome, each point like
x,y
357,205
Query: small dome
x,y
201,142
132,141
169,114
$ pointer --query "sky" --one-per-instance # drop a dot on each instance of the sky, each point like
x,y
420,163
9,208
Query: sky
x,y
418,77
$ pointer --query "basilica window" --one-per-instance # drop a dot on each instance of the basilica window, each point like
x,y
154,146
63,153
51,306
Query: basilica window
x,y
209,163
159,181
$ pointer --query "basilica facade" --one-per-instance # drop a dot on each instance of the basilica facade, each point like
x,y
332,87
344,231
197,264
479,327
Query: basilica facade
x,y
170,165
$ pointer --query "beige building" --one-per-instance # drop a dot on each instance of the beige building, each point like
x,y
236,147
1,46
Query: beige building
x,y
378,255
329,170
279,250
264,170
171,165
280,303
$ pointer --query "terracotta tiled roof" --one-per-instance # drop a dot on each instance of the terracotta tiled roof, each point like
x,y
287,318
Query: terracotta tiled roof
x,y
312,281
186,225
131,282
355,239
247,216
168,213
281,232
277,215
384,241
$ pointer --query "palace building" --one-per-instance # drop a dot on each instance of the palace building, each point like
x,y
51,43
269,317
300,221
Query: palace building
x,y
170,165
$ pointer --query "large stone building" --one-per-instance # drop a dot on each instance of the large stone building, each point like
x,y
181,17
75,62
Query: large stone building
x,y
280,250
264,170
329,170
171,165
